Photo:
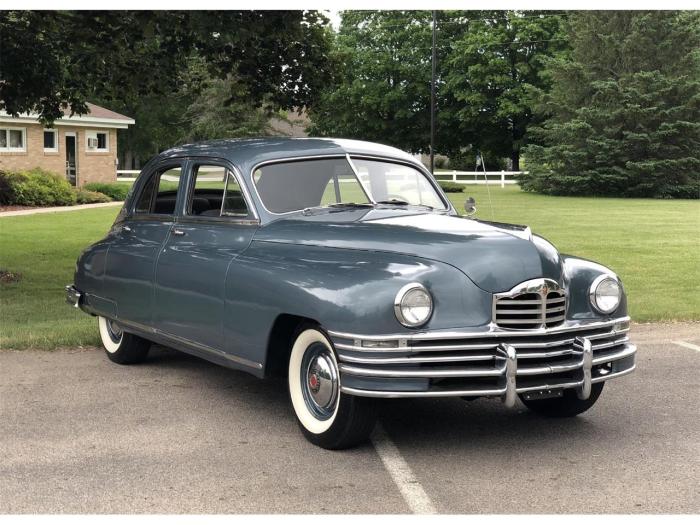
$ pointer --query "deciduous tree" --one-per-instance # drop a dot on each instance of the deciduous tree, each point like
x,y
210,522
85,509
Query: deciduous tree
x,y
50,61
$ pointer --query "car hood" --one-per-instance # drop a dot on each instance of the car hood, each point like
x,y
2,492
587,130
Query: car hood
x,y
495,256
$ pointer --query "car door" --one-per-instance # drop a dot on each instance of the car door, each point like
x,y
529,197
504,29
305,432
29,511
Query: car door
x,y
216,224
137,242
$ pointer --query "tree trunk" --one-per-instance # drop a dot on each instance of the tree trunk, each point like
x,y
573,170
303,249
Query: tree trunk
x,y
128,160
515,160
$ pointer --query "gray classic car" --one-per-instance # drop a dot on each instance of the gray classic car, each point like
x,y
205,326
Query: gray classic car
x,y
342,266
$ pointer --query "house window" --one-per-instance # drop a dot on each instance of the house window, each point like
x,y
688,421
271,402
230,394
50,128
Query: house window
x,y
97,141
13,139
50,140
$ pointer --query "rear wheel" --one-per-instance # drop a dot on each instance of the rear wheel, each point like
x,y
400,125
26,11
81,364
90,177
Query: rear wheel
x,y
568,405
327,417
122,347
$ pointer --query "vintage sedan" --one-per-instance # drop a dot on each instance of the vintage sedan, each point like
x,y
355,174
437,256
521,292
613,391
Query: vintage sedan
x,y
342,266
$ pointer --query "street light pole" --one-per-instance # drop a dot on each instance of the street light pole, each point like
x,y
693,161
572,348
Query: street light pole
x,y
432,97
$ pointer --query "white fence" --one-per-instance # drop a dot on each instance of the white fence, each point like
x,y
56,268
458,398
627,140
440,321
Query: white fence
x,y
480,177
127,175
459,177
130,175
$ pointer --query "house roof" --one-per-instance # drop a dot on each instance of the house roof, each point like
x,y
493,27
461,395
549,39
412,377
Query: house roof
x,y
99,112
97,116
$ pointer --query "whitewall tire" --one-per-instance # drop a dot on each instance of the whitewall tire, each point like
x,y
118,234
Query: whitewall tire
x,y
121,347
327,417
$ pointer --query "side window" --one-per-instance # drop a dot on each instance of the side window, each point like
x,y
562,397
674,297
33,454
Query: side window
x,y
207,191
234,202
159,195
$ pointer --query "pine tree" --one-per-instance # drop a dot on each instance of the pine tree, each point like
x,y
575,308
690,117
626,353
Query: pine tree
x,y
624,109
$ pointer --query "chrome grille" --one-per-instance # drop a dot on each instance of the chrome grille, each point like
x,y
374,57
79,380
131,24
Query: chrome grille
x,y
539,303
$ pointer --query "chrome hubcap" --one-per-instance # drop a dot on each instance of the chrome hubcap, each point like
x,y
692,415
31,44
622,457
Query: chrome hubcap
x,y
115,331
319,379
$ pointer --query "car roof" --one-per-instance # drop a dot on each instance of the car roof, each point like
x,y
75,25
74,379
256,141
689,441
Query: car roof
x,y
246,153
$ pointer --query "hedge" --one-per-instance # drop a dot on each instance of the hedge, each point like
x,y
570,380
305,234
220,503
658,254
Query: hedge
x,y
90,197
35,187
117,192
451,187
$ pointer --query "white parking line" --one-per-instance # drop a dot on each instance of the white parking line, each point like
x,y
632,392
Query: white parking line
x,y
411,490
687,345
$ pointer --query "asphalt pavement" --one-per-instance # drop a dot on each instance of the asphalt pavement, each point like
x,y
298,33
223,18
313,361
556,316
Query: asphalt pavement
x,y
79,434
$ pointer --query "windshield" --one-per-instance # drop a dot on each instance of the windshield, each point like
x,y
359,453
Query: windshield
x,y
296,185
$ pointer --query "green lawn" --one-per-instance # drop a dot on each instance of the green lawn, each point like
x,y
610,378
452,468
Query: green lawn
x,y
44,248
653,245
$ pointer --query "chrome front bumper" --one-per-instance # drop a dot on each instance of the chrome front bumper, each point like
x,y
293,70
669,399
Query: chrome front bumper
x,y
489,363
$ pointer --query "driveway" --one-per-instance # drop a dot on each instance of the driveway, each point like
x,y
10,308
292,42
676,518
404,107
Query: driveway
x,y
79,434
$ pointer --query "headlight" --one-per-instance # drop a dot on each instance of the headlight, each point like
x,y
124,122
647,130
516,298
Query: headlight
x,y
605,294
413,305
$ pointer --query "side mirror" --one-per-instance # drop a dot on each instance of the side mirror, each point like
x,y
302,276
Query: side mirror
x,y
470,206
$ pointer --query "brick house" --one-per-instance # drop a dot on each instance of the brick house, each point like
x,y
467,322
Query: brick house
x,y
81,147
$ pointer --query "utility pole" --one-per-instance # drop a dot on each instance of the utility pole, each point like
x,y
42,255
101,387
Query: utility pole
x,y
432,97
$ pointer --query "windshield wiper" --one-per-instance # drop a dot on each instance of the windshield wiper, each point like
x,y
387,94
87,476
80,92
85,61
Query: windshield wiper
x,y
350,205
398,202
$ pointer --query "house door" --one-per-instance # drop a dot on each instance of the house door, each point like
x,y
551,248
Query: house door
x,y
71,158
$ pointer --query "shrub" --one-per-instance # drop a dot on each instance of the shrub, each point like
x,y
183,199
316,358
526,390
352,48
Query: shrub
x,y
451,187
6,193
90,197
35,187
116,191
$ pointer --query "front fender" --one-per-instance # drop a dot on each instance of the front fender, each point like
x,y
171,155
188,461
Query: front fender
x,y
579,274
344,290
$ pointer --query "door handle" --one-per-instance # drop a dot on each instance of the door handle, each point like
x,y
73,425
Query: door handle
x,y
177,232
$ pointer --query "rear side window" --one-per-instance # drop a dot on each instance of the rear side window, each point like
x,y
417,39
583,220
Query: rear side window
x,y
207,191
159,194
215,193
234,202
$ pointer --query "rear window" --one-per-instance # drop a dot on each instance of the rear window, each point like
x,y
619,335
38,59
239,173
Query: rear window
x,y
159,194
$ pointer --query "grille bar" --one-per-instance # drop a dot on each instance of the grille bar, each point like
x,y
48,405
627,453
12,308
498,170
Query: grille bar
x,y
539,303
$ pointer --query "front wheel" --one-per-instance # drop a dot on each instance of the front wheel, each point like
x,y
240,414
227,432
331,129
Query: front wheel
x,y
327,417
122,347
568,405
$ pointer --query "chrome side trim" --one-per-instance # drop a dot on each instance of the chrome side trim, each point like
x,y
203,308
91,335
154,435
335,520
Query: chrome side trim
x,y
572,326
188,342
